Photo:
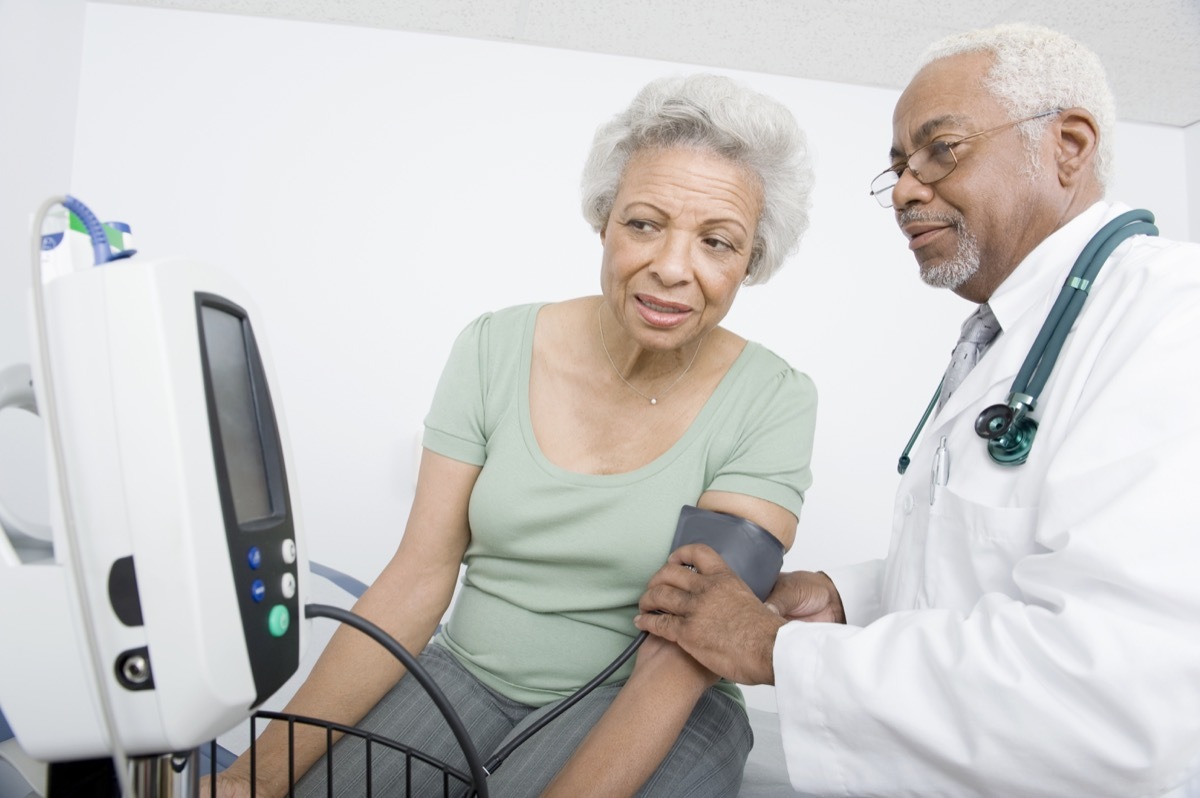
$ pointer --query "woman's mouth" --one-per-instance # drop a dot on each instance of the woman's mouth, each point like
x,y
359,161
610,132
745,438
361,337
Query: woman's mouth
x,y
661,313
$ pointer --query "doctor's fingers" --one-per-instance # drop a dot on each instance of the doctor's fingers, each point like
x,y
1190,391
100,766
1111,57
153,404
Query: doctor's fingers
x,y
673,592
730,633
699,557
704,602
684,632
660,624
678,588
806,596
680,572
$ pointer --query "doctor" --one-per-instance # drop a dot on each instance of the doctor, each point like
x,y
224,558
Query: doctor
x,y
1034,629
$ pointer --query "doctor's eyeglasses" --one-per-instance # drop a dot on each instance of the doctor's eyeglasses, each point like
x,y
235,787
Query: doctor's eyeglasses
x,y
934,161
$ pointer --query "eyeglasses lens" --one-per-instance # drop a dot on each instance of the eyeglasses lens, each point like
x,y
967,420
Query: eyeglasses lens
x,y
933,161
929,164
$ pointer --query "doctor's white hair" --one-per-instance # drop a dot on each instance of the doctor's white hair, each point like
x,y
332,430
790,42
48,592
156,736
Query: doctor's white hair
x,y
713,114
1036,69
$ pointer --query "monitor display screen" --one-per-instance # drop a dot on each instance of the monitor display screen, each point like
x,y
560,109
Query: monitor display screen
x,y
233,392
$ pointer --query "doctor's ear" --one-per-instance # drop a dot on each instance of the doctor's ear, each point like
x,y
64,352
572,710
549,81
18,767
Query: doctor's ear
x,y
1078,136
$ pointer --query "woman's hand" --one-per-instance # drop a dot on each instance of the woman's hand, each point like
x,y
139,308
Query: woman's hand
x,y
229,785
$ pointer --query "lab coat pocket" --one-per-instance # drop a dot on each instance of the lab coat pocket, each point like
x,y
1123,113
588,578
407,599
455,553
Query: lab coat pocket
x,y
971,549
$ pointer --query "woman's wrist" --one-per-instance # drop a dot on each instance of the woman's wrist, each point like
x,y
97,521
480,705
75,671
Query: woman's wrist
x,y
268,782
668,664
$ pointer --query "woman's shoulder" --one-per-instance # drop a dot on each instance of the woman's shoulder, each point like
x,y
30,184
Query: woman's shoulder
x,y
503,323
757,359
513,314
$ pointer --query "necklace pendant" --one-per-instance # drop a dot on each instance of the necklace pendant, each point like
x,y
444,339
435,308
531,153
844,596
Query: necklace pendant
x,y
652,399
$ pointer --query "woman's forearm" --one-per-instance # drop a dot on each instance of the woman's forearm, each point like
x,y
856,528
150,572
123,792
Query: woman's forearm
x,y
355,672
637,731
352,674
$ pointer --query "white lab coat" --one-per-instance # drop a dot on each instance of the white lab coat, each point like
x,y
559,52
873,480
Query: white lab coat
x,y
1036,629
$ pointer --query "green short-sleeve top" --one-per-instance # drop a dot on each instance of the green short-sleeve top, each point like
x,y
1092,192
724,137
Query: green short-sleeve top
x,y
558,560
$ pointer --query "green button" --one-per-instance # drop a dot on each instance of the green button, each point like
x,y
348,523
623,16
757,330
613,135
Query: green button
x,y
279,620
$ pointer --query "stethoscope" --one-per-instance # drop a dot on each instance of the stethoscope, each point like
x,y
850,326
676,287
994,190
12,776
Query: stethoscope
x,y
1008,428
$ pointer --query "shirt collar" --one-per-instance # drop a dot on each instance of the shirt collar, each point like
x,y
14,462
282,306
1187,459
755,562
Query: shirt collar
x,y
1037,280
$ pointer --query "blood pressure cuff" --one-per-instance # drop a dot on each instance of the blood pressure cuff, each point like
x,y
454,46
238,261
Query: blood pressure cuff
x,y
750,551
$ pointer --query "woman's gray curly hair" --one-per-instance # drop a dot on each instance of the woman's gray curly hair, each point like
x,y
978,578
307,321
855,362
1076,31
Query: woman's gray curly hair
x,y
718,115
1035,69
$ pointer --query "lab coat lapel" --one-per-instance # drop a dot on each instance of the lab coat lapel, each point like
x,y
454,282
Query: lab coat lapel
x,y
1021,305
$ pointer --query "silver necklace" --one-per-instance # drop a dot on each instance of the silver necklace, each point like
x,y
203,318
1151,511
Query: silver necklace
x,y
652,399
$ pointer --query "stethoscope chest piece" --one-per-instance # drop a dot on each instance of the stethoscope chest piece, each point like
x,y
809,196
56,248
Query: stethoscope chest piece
x,y
1008,431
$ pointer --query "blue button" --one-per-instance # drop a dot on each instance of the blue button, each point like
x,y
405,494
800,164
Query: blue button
x,y
258,590
254,557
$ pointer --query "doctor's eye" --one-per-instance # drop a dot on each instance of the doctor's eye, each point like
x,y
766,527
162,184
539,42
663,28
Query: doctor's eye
x,y
941,151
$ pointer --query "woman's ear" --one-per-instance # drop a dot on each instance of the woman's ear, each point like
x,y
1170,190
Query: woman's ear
x,y
1075,150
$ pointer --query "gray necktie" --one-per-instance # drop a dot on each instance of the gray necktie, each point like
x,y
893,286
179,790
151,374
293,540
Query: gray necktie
x,y
978,332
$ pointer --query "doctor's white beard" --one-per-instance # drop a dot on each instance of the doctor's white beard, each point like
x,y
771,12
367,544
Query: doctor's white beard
x,y
965,262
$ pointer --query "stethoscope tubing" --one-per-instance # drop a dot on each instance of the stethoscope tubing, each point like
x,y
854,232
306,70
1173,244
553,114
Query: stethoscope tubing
x,y
1031,378
1044,352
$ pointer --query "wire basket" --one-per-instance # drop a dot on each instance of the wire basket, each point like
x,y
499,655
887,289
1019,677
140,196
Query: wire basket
x,y
465,785
455,782
475,781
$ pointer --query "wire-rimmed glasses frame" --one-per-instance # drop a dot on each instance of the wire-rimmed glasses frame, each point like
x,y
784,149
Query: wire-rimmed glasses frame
x,y
934,161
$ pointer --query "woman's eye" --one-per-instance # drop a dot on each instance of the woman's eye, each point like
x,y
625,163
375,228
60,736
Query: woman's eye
x,y
718,244
641,225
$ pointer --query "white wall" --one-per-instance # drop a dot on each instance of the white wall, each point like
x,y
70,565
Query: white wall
x,y
1150,173
1191,137
41,45
375,190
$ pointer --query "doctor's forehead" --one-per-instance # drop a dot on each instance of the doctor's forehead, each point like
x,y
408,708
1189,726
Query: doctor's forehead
x,y
945,93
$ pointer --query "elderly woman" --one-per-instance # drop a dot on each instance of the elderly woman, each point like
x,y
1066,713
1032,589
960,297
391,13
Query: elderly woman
x,y
562,443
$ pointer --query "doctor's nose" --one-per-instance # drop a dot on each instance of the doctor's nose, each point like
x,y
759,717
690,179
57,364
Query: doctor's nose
x,y
909,190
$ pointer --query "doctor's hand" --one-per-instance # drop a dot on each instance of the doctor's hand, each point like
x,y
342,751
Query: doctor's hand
x,y
712,615
806,596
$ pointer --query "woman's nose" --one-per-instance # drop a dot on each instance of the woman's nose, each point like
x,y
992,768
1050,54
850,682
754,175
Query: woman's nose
x,y
673,261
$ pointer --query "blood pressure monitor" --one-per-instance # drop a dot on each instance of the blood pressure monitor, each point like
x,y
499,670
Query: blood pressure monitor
x,y
173,604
